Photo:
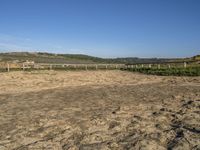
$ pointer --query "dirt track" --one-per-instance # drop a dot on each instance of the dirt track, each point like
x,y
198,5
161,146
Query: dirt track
x,y
98,110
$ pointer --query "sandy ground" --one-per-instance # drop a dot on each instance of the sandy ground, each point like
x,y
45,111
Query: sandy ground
x,y
98,110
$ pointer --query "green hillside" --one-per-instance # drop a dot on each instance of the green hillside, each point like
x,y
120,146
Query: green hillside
x,y
48,58
77,58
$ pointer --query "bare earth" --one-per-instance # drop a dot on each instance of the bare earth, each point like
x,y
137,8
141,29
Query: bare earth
x,y
90,110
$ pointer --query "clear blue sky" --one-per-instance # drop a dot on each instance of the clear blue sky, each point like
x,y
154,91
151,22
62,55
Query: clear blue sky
x,y
105,28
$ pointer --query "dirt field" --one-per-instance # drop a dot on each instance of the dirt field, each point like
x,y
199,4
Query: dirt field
x,y
90,110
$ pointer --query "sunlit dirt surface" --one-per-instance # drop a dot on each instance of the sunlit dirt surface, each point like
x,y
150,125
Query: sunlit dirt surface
x,y
90,110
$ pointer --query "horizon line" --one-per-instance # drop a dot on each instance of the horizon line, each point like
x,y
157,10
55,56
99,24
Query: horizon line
x,y
60,53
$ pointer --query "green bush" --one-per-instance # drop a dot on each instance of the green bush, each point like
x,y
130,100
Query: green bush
x,y
191,71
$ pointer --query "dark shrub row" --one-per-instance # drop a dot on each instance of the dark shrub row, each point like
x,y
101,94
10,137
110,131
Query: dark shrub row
x,y
191,71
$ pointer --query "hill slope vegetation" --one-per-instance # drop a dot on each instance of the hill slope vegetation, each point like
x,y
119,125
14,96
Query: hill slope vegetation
x,y
73,58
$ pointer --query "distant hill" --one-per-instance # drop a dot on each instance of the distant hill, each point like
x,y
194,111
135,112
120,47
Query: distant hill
x,y
48,58
77,58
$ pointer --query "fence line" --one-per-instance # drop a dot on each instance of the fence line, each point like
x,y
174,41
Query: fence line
x,y
26,66
165,65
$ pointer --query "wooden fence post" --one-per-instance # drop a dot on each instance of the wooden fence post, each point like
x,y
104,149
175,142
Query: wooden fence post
x,y
185,64
96,67
158,66
8,67
23,66
149,65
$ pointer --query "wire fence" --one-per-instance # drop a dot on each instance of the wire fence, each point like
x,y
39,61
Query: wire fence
x,y
28,66
6,67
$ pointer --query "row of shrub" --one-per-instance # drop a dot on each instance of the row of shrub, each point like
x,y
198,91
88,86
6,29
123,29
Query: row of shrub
x,y
190,71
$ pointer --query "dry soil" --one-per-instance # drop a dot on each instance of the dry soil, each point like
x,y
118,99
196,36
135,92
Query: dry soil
x,y
87,110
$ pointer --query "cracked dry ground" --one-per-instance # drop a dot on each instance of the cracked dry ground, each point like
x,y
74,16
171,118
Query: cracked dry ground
x,y
98,110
